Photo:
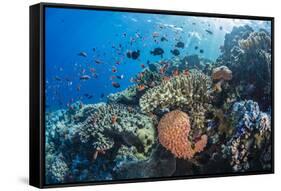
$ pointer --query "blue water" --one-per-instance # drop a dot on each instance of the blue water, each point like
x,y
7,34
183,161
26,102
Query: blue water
x,y
112,34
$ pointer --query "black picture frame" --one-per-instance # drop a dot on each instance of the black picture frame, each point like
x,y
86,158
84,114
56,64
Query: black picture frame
x,y
37,96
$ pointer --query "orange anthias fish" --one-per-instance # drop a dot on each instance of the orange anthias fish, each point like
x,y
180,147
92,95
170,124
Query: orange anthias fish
x,y
142,65
141,87
162,70
166,78
186,72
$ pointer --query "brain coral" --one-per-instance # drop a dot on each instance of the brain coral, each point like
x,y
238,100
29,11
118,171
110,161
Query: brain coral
x,y
173,131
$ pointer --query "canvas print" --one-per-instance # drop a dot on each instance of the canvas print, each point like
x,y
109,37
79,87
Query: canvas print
x,y
140,95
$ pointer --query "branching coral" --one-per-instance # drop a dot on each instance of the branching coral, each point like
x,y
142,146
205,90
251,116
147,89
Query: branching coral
x,y
182,90
173,131
56,168
188,92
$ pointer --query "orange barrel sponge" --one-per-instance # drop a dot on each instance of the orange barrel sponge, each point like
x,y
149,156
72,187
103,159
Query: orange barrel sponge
x,y
173,130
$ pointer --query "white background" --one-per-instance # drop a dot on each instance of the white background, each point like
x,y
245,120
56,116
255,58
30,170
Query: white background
x,y
14,51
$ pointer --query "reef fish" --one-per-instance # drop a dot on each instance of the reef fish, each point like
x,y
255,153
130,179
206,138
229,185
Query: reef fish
x,y
133,54
209,32
85,77
157,51
116,84
155,34
120,77
201,51
180,45
175,52
83,54
163,39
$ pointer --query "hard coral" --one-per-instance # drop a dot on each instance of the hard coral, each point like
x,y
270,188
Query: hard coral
x,y
252,136
190,93
222,74
111,121
179,91
173,131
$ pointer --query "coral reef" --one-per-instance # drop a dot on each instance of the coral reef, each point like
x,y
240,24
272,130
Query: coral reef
x,y
221,74
190,93
248,55
161,163
56,168
186,115
129,96
90,135
173,131
251,136
182,90
117,120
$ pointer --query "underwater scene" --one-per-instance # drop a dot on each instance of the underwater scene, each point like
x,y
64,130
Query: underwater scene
x,y
141,95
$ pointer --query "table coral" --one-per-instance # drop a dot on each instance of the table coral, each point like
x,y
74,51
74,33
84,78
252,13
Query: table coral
x,y
173,131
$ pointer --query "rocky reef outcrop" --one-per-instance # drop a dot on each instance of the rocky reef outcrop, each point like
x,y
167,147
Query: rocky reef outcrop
x,y
247,53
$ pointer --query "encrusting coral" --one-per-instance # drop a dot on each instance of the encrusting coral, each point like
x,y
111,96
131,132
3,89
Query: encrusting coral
x,y
173,131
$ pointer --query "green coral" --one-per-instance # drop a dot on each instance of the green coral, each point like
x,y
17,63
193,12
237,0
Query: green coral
x,y
190,93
